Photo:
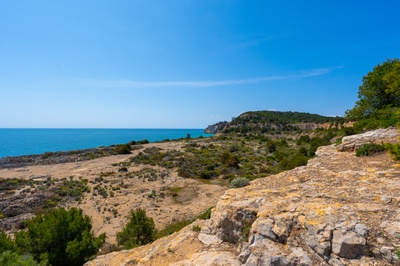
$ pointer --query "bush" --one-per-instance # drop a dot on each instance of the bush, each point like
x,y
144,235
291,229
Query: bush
x,y
140,230
10,258
196,228
394,150
6,243
60,237
368,149
239,182
303,139
123,149
294,161
145,141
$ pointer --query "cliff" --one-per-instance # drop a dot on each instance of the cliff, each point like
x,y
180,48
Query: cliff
x,y
338,210
214,129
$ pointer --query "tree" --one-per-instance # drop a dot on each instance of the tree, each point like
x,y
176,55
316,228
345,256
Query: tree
x,y
140,230
60,237
6,243
380,89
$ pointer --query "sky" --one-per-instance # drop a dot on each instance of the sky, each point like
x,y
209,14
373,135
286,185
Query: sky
x,y
185,63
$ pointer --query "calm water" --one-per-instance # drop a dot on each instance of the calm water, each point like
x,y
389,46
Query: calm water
x,y
15,142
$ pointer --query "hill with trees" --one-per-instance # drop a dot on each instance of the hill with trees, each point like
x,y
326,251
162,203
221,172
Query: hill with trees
x,y
275,121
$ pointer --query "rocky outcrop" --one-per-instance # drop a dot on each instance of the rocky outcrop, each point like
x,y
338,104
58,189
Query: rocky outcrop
x,y
338,210
214,129
354,142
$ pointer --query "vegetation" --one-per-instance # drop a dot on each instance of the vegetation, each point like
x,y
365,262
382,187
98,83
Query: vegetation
x,y
51,191
239,182
379,97
368,149
196,228
249,155
205,215
273,121
394,150
6,243
72,188
59,237
123,149
174,227
11,258
140,230
13,183
177,226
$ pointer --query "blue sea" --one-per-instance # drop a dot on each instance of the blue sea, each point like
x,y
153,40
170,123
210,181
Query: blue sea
x,y
16,142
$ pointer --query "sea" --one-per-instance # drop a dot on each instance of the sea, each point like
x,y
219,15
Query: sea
x,y
18,141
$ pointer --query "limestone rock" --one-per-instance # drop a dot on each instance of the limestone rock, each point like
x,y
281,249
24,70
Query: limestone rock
x,y
348,244
351,143
263,227
209,239
209,259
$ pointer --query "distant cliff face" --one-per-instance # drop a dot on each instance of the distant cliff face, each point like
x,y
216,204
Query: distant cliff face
x,y
214,129
338,210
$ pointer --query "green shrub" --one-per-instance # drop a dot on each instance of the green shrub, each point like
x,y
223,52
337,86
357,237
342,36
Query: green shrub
x,y
145,141
10,258
140,230
368,149
303,139
239,182
60,237
294,161
394,150
6,243
196,228
72,188
123,149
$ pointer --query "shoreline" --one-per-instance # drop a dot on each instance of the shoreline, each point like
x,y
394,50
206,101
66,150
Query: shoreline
x,y
57,157
23,142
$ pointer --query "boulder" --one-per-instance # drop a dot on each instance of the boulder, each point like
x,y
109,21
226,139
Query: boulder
x,y
349,244
354,142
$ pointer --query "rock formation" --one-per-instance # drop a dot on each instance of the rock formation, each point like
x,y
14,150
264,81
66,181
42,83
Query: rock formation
x,y
338,210
214,129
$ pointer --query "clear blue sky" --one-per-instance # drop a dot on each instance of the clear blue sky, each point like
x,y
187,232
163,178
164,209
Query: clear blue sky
x,y
185,63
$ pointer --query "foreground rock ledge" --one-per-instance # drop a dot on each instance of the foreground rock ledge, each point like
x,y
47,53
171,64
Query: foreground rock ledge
x,y
338,210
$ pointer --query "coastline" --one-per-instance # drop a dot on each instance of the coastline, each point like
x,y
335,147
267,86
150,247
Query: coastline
x,y
58,157
28,142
